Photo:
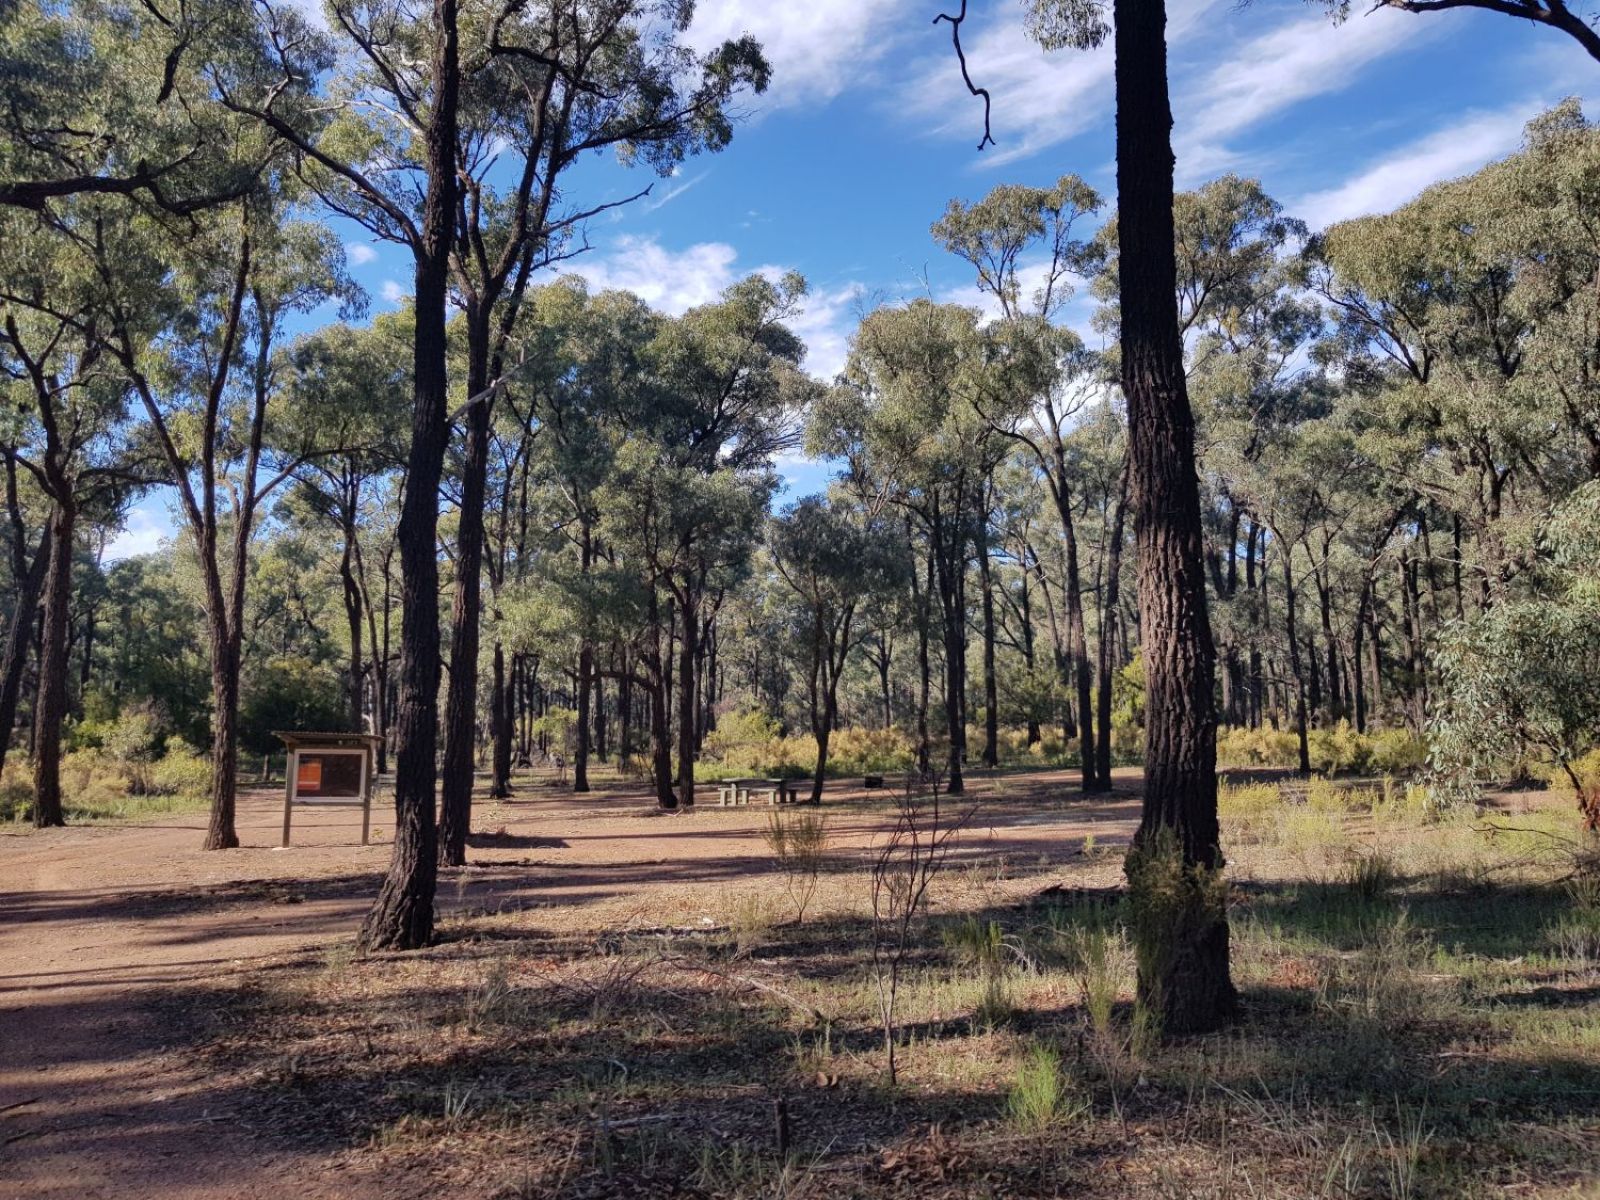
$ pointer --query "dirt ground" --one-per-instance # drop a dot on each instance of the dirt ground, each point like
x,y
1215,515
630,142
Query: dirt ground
x,y
112,938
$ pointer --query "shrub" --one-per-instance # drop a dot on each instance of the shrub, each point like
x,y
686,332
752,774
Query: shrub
x,y
1243,747
1396,752
739,731
799,841
16,791
1043,1095
1338,749
180,772
1371,876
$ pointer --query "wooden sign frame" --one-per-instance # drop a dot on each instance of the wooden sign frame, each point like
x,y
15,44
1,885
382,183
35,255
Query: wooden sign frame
x,y
328,745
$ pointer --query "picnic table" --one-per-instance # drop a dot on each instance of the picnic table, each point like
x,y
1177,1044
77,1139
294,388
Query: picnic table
x,y
740,791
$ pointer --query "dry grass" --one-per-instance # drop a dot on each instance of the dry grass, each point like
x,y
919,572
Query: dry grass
x,y
1421,1007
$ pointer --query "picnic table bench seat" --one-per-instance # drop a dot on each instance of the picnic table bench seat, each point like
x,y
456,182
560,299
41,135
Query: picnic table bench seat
x,y
741,791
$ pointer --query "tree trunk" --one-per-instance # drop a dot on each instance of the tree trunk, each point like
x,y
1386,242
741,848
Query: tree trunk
x,y
1296,669
1108,661
352,616
225,662
1185,977
461,709
991,690
50,709
23,616
686,697
500,710
402,916
1077,640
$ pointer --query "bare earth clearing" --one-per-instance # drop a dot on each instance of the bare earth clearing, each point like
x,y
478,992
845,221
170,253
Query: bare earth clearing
x,y
110,936
619,999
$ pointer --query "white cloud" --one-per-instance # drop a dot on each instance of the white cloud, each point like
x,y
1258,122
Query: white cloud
x,y
673,281
1273,72
359,253
817,49
395,293
1446,153
1038,99
146,527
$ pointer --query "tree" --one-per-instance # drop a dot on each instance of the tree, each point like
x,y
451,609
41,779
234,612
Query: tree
x,y
832,561
553,83
1556,14
904,418
1185,979
194,323
72,444
110,100
996,235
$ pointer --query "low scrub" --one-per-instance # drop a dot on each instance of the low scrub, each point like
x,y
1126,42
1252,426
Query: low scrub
x,y
1336,750
99,784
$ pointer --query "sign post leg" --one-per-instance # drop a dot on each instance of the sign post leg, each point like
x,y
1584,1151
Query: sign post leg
x,y
291,766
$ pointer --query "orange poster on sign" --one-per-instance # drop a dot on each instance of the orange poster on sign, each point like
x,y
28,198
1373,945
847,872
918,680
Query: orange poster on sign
x,y
309,777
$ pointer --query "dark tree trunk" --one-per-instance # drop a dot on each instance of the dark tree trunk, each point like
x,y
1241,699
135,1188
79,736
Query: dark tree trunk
x,y
352,616
500,732
461,708
1077,639
923,601
402,916
660,747
50,709
18,638
1185,979
225,662
991,689
686,697
1296,669
1108,661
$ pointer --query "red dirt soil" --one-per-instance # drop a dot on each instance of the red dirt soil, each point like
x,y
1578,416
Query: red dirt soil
x,y
111,938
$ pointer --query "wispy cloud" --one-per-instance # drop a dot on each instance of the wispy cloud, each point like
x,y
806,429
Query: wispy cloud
x,y
1270,74
817,49
359,253
678,187
1455,150
1038,99
395,293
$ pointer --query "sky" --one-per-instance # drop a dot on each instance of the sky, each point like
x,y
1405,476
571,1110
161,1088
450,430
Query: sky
x,y
867,132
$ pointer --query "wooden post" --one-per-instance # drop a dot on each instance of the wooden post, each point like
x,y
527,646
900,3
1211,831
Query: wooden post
x,y
290,770
366,794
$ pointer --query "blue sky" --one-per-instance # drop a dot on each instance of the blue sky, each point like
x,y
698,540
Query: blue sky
x,y
867,132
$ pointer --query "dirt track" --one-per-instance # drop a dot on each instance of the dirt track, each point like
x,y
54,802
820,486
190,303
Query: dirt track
x,y
112,937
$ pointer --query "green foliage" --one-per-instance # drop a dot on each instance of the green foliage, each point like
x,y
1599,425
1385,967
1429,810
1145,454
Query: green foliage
x,y
1043,1096
288,693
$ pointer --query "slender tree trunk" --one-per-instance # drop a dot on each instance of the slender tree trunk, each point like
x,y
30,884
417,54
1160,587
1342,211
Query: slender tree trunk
x,y
1108,661
660,748
686,697
1077,640
461,708
500,709
1184,971
402,916
1296,669
352,615
991,689
50,709
24,615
